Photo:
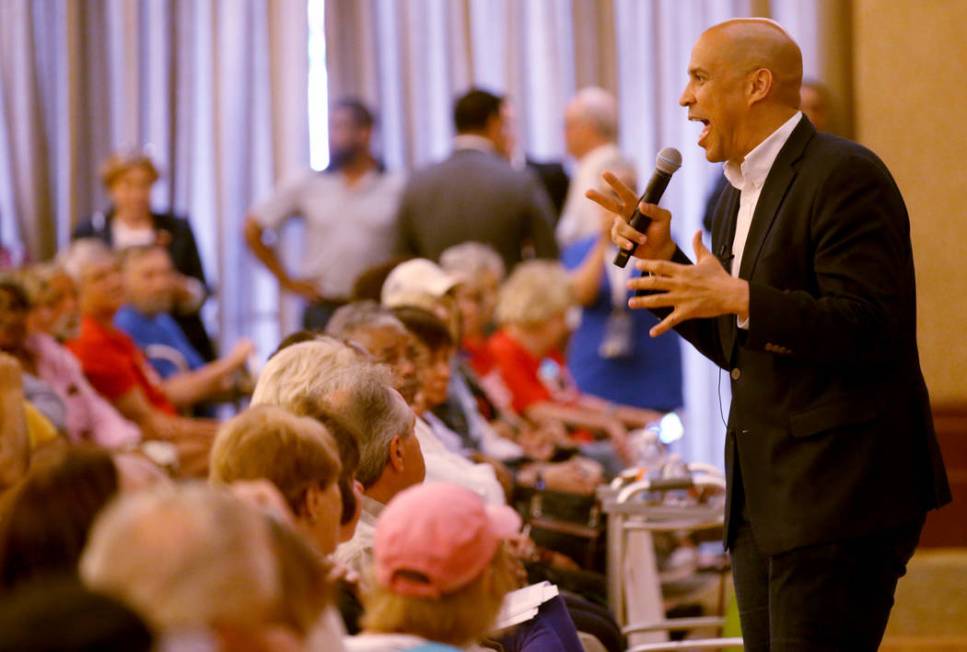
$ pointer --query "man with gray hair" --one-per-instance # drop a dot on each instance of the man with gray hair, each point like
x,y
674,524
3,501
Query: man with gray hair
x,y
386,338
590,132
329,374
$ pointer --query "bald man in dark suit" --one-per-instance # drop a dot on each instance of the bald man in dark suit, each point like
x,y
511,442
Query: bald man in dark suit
x,y
809,303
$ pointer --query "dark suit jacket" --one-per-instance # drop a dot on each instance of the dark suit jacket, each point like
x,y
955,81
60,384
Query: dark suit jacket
x,y
830,433
475,195
555,181
184,256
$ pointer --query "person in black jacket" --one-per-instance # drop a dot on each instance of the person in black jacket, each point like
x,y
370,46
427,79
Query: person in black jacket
x,y
129,221
809,302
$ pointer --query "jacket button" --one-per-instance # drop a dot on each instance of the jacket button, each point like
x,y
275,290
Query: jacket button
x,y
736,373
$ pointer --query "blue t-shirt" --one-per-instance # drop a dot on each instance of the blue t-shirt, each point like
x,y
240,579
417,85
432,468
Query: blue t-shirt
x,y
161,340
649,377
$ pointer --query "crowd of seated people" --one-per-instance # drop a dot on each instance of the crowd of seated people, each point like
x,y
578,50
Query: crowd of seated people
x,y
358,493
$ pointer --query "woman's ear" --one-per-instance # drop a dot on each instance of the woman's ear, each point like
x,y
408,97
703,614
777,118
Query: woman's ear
x,y
311,504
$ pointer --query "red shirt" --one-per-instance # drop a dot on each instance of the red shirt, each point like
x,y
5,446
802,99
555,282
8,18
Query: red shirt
x,y
529,379
114,365
479,355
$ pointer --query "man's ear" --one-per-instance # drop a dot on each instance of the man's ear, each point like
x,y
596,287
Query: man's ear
x,y
760,85
396,454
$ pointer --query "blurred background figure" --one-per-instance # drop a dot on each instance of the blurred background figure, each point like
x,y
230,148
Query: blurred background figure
x,y
348,212
590,137
149,281
610,354
63,616
199,563
476,194
49,515
115,366
129,221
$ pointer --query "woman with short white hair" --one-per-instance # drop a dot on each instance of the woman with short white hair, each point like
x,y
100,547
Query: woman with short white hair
x,y
536,311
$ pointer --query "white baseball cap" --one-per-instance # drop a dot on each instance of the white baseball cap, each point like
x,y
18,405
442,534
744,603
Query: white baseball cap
x,y
410,283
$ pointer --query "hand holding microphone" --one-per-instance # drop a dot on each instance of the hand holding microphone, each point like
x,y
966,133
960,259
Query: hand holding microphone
x,y
629,232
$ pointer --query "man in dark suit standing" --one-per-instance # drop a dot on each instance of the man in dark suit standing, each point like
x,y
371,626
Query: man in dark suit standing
x,y
809,302
476,194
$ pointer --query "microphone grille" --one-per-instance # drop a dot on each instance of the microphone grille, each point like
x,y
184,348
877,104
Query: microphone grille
x,y
669,160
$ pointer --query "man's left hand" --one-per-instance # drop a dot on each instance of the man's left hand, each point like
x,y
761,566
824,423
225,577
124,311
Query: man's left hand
x,y
704,289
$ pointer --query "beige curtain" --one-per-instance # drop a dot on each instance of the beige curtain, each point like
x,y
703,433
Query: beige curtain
x,y
214,89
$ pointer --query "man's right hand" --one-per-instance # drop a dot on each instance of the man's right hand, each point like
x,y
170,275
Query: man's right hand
x,y
306,289
656,242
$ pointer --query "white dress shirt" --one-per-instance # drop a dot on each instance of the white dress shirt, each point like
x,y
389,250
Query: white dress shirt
x,y
581,217
748,178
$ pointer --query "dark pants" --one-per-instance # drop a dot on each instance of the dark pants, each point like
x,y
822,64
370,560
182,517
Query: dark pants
x,y
834,596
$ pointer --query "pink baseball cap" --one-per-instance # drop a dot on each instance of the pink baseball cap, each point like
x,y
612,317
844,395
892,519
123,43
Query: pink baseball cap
x,y
433,539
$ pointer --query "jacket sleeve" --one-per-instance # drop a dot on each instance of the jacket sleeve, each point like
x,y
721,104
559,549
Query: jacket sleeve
x,y
862,262
539,221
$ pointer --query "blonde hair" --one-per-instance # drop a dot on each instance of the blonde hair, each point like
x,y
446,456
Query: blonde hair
x,y
294,453
120,162
457,618
535,292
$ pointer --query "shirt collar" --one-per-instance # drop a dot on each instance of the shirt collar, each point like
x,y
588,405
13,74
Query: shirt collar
x,y
755,167
372,509
473,141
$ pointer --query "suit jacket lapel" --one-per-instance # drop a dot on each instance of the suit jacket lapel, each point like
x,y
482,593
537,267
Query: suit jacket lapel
x,y
773,191
723,233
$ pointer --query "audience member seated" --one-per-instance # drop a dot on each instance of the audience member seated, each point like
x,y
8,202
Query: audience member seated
x,y
63,616
386,339
117,369
297,455
149,281
533,310
364,324
441,571
46,522
610,354
130,222
200,564
53,300
390,461
14,435
53,369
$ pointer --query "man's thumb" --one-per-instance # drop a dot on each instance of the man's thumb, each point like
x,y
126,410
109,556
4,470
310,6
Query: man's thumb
x,y
701,251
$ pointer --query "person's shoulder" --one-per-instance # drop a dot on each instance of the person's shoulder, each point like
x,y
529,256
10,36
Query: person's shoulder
x,y
171,222
91,226
834,154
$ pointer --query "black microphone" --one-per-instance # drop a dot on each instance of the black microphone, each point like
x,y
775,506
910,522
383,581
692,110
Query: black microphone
x,y
669,160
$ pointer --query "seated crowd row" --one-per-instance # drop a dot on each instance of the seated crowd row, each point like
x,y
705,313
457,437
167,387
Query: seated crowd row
x,y
369,477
